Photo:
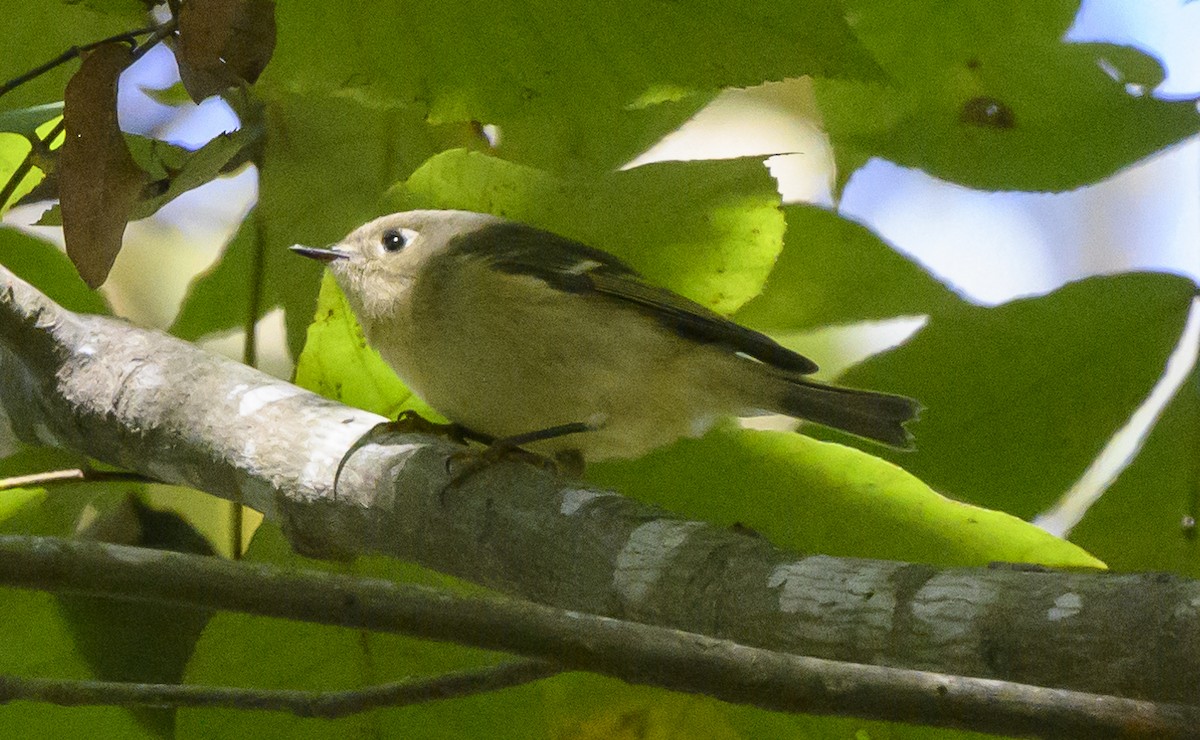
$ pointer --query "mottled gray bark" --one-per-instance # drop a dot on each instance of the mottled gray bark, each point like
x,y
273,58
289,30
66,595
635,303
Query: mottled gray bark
x,y
163,407
566,640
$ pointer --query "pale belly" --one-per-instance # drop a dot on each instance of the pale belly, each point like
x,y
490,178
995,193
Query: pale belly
x,y
502,365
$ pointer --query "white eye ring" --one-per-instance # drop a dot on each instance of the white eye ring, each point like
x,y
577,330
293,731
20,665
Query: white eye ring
x,y
393,240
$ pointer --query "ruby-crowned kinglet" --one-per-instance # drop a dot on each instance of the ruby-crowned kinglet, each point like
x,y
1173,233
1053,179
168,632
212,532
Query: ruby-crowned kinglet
x,y
507,330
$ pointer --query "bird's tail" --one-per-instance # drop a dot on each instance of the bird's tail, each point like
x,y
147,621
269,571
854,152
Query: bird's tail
x,y
876,416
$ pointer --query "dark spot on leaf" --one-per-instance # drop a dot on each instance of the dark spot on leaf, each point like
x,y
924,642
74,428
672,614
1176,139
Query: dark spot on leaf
x,y
973,63
988,112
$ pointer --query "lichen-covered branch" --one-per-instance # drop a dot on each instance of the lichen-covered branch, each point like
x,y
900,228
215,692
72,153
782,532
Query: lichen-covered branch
x,y
637,653
162,407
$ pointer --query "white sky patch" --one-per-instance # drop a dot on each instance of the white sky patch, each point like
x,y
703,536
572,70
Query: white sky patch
x,y
1124,446
647,553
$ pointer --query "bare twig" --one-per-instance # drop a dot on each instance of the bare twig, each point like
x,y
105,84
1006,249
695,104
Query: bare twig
x,y
37,146
71,475
323,704
10,185
160,33
633,652
130,37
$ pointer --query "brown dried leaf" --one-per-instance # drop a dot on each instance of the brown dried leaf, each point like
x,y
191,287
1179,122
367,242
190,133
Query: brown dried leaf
x,y
98,179
223,43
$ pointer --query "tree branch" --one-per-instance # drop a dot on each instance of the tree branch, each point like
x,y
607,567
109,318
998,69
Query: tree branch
x,y
637,653
146,402
323,704
71,475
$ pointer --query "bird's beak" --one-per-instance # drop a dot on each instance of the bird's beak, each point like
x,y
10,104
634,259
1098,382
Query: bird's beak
x,y
324,255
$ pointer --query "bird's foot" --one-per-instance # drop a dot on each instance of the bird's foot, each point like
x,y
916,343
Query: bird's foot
x,y
410,422
511,449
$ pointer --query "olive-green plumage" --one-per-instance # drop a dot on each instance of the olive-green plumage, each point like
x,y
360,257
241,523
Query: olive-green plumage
x,y
507,329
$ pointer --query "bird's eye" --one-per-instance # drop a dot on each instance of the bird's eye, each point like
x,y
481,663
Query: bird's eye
x,y
393,241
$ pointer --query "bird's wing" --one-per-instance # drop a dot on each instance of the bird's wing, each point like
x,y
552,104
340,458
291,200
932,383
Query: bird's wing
x,y
573,267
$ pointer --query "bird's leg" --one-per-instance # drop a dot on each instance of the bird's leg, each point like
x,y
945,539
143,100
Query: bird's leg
x,y
410,422
562,430
512,448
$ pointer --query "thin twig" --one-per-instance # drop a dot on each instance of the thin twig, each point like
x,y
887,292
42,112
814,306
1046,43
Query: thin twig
x,y
160,33
129,37
14,180
249,356
38,145
323,704
634,652
71,475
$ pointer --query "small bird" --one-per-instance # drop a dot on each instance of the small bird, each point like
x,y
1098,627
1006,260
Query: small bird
x,y
515,333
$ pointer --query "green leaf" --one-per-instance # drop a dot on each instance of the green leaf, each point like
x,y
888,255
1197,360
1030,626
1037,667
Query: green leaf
x,y
131,11
987,94
175,96
45,266
175,170
835,271
710,230
591,707
327,160
1140,523
40,631
242,650
36,640
13,150
41,31
543,137
338,364
569,74
219,299
26,121
821,497
1020,398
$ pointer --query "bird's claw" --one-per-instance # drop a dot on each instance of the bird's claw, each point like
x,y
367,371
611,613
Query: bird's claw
x,y
475,460
410,422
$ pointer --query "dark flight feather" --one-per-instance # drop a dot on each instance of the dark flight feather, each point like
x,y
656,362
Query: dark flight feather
x,y
573,267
